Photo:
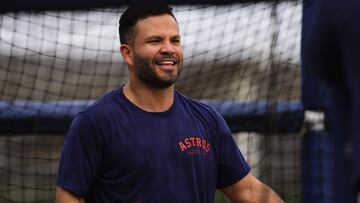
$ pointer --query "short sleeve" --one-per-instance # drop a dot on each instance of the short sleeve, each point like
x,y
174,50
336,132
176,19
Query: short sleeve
x,y
80,158
232,166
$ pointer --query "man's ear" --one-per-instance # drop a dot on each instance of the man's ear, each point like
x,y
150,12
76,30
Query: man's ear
x,y
125,51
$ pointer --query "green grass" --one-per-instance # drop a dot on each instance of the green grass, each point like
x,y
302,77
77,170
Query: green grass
x,y
221,198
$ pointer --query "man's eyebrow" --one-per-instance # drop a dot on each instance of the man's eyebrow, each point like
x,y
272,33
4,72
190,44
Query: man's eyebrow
x,y
160,37
153,37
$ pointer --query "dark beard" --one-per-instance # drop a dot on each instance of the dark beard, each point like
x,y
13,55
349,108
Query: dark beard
x,y
149,77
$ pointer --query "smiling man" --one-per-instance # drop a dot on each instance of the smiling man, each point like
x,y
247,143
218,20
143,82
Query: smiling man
x,y
146,142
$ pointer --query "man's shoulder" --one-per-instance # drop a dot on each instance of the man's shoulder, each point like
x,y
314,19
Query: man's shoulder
x,y
198,106
102,105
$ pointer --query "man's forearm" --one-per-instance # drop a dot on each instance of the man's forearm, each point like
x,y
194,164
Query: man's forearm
x,y
251,190
64,196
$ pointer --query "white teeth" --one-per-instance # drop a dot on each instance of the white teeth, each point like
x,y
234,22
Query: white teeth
x,y
167,63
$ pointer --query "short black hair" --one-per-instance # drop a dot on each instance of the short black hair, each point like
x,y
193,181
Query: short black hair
x,y
135,13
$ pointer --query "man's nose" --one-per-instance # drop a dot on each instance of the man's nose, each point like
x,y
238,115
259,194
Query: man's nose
x,y
168,48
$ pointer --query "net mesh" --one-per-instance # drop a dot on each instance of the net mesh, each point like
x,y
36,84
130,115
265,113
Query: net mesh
x,y
236,52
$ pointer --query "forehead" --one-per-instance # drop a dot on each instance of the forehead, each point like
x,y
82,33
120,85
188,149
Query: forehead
x,y
157,25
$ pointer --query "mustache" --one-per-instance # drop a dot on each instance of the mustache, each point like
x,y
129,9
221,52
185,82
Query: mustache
x,y
167,56
172,57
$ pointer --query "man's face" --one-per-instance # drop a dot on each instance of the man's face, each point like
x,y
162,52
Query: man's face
x,y
157,52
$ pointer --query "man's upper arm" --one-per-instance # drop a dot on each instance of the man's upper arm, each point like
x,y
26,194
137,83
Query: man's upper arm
x,y
250,189
64,196
80,157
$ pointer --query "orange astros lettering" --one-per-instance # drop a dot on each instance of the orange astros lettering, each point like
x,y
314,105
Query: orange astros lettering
x,y
203,144
187,142
191,142
198,142
182,146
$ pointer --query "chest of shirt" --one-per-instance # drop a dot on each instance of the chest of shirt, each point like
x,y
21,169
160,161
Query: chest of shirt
x,y
159,141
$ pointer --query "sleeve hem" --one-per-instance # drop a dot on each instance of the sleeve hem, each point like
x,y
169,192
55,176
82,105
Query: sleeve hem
x,y
73,190
234,180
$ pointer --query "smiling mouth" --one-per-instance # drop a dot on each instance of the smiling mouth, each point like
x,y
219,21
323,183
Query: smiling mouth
x,y
166,63
166,60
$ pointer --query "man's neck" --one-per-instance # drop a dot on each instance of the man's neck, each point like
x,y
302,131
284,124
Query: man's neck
x,y
149,99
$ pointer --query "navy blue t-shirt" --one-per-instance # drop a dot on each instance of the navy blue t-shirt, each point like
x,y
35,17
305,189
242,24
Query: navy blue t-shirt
x,y
117,152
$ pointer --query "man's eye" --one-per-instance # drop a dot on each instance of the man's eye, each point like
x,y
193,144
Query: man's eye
x,y
176,41
154,41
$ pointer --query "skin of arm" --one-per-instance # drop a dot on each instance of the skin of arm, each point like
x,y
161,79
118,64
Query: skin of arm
x,y
64,196
250,190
